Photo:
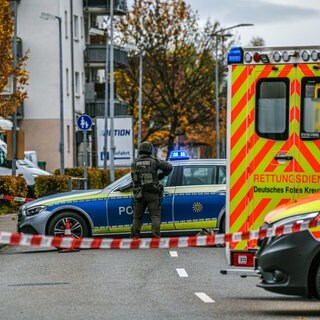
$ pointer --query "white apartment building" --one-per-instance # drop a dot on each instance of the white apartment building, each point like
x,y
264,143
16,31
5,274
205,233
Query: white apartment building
x,y
40,118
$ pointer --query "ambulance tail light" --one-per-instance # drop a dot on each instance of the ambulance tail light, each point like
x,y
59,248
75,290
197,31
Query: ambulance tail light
x,y
242,258
263,57
235,55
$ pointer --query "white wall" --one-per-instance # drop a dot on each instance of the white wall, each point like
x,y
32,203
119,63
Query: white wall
x,y
42,109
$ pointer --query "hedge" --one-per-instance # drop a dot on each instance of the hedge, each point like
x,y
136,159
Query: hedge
x,y
12,186
47,185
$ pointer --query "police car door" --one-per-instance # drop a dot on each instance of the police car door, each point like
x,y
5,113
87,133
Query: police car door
x,y
169,183
119,206
198,199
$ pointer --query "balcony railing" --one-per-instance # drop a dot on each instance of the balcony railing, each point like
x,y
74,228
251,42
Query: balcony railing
x,y
96,53
120,6
96,109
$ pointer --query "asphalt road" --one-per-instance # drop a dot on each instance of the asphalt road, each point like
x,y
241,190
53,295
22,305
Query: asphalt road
x,y
135,284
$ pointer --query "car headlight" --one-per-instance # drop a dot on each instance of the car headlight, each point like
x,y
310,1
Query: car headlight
x,y
297,219
34,210
301,218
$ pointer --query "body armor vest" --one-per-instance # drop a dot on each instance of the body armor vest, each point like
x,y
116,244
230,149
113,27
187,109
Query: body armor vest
x,y
144,174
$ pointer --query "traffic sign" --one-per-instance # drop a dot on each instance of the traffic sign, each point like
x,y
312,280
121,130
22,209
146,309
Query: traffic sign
x,y
84,122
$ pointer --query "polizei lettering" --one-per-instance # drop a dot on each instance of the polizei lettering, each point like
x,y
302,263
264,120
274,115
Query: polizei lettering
x,y
142,163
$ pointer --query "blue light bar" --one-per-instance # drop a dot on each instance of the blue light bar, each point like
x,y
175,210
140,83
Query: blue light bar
x,y
179,155
235,55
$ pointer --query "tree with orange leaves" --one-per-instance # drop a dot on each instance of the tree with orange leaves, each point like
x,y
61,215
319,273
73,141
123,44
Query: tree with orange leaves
x,y
9,72
178,72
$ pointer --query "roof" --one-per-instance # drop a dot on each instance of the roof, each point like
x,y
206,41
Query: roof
x,y
199,162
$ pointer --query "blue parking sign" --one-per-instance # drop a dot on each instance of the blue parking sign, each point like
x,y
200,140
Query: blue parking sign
x,y
84,122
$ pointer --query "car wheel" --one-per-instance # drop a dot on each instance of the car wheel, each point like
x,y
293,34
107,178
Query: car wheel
x,y
222,227
317,282
78,226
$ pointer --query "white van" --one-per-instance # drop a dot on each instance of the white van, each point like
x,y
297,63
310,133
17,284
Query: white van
x,y
24,167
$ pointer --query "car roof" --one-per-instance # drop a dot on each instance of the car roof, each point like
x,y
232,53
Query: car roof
x,y
199,162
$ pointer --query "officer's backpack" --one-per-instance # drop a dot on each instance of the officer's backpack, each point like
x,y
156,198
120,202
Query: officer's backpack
x,y
144,174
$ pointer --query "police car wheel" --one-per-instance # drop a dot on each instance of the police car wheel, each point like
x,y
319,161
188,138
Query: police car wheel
x,y
317,282
222,227
78,226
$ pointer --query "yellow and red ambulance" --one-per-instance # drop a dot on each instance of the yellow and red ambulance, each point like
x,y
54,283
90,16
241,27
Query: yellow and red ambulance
x,y
273,135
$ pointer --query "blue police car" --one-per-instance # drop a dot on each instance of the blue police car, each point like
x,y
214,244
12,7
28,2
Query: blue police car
x,y
193,200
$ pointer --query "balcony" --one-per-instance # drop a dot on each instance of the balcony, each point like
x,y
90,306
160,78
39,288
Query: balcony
x,y
103,6
96,108
95,54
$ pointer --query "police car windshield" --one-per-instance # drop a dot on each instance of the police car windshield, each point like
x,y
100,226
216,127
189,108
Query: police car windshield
x,y
121,182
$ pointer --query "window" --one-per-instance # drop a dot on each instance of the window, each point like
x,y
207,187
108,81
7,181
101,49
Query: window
x,y
68,138
166,181
76,27
221,175
67,82
272,109
3,157
310,109
77,84
81,27
66,24
198,175
83,83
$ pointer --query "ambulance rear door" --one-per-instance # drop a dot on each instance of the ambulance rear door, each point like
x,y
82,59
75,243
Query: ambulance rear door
x,y
308,141
273,138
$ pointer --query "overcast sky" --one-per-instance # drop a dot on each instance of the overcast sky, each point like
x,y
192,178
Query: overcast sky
x,y
278,22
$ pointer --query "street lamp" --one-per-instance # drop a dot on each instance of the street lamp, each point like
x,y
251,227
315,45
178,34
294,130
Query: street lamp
x,y
14,117
133,47
109,61
94,31
220,33
111,57
48,16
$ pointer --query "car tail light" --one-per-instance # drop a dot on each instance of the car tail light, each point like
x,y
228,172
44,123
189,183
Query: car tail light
x,y
243,258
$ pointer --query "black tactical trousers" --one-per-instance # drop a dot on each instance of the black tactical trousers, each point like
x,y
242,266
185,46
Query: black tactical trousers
x,y
152,201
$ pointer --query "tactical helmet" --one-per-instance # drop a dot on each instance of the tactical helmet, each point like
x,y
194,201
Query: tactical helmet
x,y
145,147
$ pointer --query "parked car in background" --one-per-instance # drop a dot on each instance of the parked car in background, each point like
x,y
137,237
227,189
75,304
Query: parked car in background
x,y
23,167
31,156
290,263
193,199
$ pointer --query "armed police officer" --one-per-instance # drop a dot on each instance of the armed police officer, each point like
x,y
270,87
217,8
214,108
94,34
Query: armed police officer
x,y
146,172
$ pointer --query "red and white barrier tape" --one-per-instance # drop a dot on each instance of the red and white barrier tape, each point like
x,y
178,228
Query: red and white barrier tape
x,y
13,198
18,239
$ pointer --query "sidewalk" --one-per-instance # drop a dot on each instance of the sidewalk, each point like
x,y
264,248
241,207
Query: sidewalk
x,y
8,223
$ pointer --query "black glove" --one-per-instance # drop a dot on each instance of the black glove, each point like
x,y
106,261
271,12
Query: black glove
x,y
161,175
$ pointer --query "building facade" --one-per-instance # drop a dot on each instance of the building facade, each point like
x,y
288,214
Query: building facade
x,y
40,116
83,77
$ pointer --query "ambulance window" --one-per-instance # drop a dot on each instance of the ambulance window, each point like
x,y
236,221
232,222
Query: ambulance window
x,y
310,109
272,109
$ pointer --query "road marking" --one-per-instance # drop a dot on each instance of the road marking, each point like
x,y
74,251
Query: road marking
x,y
182,273
173,254
204,297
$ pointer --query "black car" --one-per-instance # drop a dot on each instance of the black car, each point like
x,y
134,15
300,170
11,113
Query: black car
x,y
290,263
